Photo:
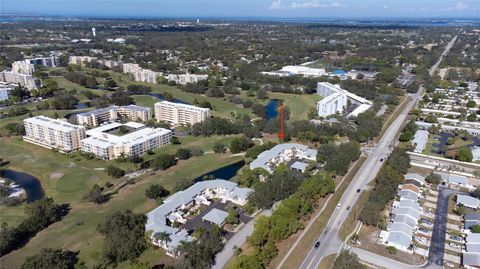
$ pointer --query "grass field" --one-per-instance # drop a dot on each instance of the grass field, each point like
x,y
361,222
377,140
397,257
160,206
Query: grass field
x,y
77,231
327,261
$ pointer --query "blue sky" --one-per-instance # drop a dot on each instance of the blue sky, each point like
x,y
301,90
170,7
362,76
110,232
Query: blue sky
x,y
248,8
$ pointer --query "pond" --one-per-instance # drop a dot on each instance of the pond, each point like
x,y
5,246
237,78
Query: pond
x,y
31,184
81,105
226,172
272,108
161,97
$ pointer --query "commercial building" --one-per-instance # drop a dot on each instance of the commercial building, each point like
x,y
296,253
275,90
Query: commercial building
x,y
303,70
24,80
174,210
106,145
186,78
53,133
335,100
295,156
112,113
180,114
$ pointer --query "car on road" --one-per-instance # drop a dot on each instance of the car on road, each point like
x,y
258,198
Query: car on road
x,y
348,207
317,244
381,160
339,205
359,190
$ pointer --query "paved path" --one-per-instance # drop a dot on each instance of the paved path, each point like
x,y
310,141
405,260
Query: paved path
x,y
238,240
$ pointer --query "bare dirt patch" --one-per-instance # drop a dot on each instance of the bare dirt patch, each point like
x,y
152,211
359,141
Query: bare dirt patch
x,y
56,175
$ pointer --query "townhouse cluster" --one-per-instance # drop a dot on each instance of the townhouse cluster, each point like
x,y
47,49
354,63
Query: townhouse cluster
x,y
22,73
335,100
168,218
295,156
138,73
405,214
471,253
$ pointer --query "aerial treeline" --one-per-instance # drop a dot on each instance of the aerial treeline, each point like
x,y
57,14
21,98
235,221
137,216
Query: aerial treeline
x,y
39,215
408,132
221,126
286,220
82,79
337,158
386,185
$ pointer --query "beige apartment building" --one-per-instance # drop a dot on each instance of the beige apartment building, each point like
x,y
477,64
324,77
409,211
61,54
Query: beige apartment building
x,y
53,133
180,114
112,113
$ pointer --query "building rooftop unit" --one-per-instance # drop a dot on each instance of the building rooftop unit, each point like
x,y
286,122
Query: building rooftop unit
x,y
182,105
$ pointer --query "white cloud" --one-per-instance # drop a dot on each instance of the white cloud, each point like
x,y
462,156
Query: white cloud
x,y
459,6
276,4
338,5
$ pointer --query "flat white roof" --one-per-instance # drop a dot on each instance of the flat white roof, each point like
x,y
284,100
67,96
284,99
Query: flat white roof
x,y
56,124
185,106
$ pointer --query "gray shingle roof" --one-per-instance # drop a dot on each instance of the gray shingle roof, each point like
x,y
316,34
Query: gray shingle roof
x,y
468,201
215,216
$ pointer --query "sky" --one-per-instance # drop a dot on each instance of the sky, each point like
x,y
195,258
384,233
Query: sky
x,y
317,9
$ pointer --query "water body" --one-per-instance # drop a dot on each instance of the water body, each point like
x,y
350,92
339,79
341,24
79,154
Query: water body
x,y
161,97
272,109
226,172
81,105
31,184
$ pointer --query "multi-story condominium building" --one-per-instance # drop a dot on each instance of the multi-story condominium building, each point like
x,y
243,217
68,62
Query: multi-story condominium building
x,y
186,78
107,146
53,133
111,63
27,81
180,114
27,66
80,60
141,74
112,113
336,100
5,90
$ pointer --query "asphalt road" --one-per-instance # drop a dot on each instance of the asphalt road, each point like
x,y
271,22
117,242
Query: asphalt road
x,y
330,240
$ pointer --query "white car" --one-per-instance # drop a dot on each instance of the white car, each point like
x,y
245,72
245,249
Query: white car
x,y
453,245
339,205
420,239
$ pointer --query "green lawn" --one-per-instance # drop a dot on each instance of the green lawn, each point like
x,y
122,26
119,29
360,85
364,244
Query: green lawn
x,y
77,231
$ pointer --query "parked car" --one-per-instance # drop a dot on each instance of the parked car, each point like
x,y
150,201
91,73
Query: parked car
x,y
420,239
456,238
423,230
453,245
426,222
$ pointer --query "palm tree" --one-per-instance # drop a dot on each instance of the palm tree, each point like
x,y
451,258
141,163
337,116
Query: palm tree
x,y
163,237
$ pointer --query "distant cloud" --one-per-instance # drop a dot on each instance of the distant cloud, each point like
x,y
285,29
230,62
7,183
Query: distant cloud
x,y
277,4
459,6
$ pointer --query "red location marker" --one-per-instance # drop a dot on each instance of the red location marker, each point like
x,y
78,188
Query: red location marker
x,y
281,135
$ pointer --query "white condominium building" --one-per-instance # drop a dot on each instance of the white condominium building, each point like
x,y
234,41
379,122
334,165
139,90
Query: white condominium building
x,y
107,146
27,66
80,60
53,133
180,114
186,78
112,113
27,81
141,74
5,91
336,100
